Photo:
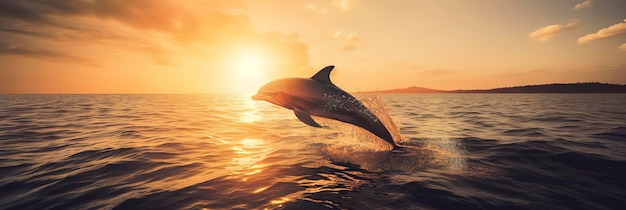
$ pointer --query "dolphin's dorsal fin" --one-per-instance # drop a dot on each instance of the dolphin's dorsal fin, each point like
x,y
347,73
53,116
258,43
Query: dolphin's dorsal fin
x,y
323,76
306,118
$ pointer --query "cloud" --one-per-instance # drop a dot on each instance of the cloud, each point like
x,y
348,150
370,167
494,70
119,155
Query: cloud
x,y
324,7
582,5
352,40
547,32
604,33
180,21
25,32
622,47
19,10
40,53
342,4
316,8
156,29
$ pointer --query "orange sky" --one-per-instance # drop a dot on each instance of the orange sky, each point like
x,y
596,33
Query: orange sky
x,y
204,46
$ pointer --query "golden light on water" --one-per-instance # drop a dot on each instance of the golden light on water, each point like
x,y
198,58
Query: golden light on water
x,y
250,116
255,171
252,143
252,112
280,201
248,153
261,189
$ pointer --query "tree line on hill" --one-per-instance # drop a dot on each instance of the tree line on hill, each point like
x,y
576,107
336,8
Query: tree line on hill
x,y
587,87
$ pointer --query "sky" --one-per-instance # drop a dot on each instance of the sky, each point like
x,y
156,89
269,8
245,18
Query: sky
x,y
235,46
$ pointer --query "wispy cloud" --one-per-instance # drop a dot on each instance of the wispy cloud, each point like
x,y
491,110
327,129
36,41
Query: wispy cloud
x,y
19,10
316,8
342,4
546,33
582,5
25,32
40,53
326,6
604,33
622,47
154,29
352,40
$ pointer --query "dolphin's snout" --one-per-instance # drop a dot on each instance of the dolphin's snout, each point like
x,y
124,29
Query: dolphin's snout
x,y
256,97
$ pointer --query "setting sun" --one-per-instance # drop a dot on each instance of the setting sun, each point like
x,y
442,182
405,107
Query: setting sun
x,y
250,65
234,47
249,69
312,104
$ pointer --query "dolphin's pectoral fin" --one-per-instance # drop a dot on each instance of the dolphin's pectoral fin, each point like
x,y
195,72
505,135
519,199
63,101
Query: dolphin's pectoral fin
x,y
306,118
323,76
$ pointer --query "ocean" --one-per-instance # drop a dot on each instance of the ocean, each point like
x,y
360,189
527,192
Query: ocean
x,y
464,151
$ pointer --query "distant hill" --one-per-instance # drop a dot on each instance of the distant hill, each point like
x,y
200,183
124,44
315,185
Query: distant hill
x,y
589,87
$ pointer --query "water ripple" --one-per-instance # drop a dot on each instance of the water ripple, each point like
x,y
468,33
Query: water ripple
x,y
464,151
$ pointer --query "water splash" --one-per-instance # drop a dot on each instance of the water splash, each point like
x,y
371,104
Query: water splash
x,y
358,146
376,105
354,138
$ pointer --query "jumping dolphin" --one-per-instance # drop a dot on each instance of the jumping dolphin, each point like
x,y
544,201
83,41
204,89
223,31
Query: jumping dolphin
x,y
318,96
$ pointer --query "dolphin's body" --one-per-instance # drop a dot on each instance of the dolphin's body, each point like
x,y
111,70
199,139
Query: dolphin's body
x,y
318,96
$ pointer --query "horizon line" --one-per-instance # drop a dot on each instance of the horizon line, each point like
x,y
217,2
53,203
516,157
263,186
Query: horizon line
x,y
209,93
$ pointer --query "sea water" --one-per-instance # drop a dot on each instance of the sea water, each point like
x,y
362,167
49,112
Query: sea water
x,y
464,151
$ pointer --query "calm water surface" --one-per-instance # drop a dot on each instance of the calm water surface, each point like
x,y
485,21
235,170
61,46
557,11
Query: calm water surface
x,y
465,151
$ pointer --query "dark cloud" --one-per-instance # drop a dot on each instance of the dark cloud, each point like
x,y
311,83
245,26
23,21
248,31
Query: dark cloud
x,y
46,54
184,22
19,10
582,5
25,32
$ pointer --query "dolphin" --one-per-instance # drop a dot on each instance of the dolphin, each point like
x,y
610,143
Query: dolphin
x,y
318,96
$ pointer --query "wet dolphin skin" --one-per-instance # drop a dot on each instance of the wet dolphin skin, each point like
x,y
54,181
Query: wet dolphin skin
x,y
318,96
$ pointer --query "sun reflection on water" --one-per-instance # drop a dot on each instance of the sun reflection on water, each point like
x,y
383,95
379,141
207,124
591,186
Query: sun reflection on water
x,y
261,189
280,201
251,174
252,113
248,152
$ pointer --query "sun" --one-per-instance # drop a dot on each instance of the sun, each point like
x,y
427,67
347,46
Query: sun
x,y
250,65
249,68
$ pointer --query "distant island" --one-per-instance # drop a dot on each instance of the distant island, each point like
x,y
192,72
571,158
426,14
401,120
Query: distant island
x,y
588,87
